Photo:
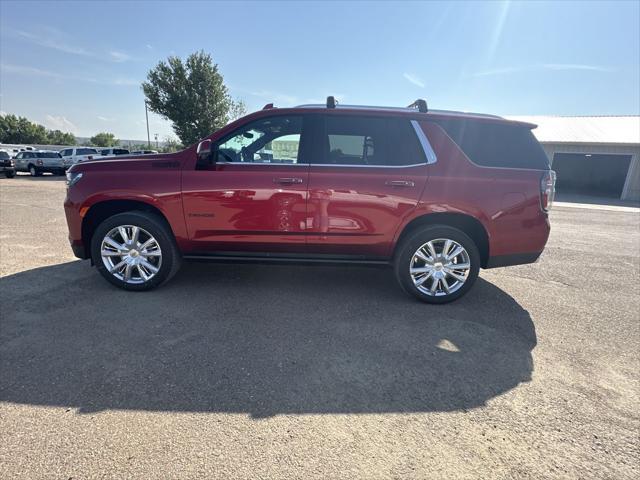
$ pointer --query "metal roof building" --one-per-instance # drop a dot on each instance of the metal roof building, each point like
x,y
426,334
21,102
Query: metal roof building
x,y
598,155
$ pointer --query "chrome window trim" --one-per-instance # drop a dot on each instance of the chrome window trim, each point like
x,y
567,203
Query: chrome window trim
x,y
424,141
365,166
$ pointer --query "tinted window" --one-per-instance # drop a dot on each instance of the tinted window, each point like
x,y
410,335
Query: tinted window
x,y
120,151
86,151
4,156
352,140
48,155
494,144
268,140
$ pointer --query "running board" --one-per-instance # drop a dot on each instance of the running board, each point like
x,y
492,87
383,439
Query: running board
x,y
250,257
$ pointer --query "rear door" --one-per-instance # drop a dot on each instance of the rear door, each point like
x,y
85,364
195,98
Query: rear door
x,y
254,196
366,176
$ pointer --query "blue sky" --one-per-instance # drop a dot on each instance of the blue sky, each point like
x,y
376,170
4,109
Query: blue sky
x,y
77,66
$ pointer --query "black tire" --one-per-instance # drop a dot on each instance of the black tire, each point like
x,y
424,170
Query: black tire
x,y
410,246
154,225
10,174
33,171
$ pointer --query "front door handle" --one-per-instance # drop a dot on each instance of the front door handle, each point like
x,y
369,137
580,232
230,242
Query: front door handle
x,y
287,180
400,183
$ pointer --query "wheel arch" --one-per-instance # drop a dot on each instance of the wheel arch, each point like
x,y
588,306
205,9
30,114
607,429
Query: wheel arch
x,y
100,211
466,223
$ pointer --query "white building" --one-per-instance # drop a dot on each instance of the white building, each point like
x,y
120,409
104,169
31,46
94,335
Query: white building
x,y
597,156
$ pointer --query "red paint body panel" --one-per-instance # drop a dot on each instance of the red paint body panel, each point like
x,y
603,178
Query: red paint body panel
x,y
353,210
333,210
241,207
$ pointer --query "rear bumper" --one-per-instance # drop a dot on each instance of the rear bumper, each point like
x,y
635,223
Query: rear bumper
x,y
513,259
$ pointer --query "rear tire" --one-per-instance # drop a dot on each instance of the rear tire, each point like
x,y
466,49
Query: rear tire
x,y
10,174
427,269
126,262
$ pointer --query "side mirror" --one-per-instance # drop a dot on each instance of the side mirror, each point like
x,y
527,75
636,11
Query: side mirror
x,y
204,150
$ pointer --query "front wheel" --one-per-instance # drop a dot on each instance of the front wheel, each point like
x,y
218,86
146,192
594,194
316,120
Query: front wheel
x,y
33,171
437,264
135,251
9,174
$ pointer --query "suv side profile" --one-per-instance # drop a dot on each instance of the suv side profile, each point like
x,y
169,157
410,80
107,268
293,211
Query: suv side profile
x,y
437,195
73,155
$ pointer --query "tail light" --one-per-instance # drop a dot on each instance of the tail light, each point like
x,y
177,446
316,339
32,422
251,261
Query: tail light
x,y
547,189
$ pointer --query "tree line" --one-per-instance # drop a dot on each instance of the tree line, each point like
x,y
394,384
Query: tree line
x,y
15,129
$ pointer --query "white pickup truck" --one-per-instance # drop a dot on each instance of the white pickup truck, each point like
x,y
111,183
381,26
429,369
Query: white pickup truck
x,y
71,156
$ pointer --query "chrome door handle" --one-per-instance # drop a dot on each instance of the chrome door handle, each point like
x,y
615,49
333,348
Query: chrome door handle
x,y
400,183
287,180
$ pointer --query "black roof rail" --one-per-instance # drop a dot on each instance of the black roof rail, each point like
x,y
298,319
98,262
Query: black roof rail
x,y
420,104
331,102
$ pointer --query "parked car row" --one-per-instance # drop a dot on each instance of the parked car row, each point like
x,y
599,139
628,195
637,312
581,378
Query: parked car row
x,y
36,162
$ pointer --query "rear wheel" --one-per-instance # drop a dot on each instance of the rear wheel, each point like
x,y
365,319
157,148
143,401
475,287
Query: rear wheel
x,y
34,171
9,174
135,251
437,264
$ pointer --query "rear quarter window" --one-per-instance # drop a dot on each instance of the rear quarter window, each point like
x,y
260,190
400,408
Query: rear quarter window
x,y
492,144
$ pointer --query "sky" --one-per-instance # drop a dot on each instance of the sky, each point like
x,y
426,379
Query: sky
x,y
78,66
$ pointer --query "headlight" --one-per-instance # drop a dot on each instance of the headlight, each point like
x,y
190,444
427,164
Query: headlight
x,y
73,178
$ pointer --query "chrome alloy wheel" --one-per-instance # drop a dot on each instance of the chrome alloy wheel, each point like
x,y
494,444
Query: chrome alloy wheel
x,y
440,267
131,254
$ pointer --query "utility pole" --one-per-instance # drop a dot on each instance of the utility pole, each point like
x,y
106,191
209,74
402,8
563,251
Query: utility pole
x,y
156,135
146,113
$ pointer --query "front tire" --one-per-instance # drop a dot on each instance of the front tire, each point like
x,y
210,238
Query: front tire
x,y
135,251
33,171
437,264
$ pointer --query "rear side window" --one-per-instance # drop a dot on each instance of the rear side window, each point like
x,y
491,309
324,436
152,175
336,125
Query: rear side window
x,y
493,144
120,151
86,151
49,155
369,141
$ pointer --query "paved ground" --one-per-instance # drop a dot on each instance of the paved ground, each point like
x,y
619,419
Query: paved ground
x,y
317,372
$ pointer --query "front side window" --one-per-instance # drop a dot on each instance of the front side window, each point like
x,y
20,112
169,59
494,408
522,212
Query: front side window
x,y
268,140
369,141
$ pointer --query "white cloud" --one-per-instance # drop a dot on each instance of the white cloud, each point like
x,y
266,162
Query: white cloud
x,y
117,56
545,66
414,79
105,119
149,47
33,71
60,123
54,43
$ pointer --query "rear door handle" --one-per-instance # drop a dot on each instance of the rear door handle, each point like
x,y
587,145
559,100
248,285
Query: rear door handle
x,y
287,180
400,183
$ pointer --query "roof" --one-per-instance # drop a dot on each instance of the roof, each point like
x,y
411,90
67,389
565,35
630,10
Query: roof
x,y
596,129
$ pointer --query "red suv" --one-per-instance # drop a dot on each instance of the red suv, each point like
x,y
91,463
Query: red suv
x,y
435,194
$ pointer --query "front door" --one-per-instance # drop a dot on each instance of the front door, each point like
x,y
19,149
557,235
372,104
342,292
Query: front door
x,y
252,195
366,175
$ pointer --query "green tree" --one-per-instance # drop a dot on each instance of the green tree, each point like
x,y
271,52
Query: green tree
x,y
190,94
171,145
20,130
56,137
104,139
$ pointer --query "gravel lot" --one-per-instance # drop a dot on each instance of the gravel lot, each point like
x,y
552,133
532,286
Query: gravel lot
x,y
317,372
